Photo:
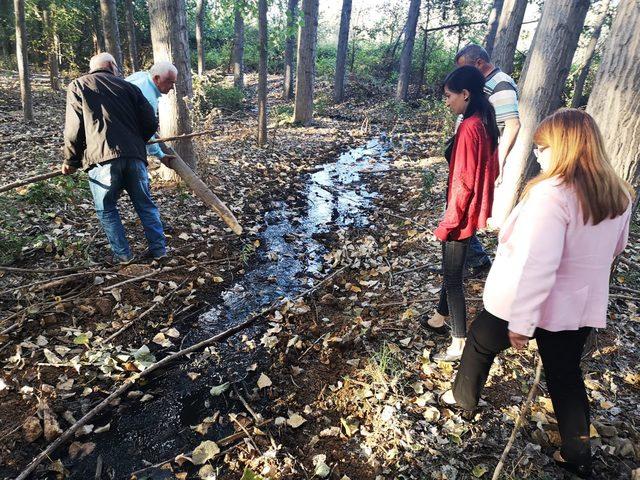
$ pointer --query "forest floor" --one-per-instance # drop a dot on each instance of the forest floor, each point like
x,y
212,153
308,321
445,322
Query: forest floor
x,y
334,380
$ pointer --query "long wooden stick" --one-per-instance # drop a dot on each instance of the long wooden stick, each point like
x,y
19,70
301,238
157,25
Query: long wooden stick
x,y
27,181
160,364
516,427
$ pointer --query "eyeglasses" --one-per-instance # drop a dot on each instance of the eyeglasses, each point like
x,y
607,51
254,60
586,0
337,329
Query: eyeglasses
x,y
538,151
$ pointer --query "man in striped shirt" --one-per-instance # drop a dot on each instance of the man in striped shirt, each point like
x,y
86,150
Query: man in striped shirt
x,y
502,92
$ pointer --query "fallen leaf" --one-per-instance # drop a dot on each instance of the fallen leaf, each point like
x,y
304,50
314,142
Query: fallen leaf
x,y
295,420
220,389
264,381
205,451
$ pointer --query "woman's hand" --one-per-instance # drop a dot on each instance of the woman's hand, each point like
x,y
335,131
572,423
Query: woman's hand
x,y
518,341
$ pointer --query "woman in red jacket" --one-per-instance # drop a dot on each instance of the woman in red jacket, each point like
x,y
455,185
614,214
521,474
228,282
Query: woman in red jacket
x,y
473,168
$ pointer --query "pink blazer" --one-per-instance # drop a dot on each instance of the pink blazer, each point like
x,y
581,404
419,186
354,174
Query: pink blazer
x,y
551,270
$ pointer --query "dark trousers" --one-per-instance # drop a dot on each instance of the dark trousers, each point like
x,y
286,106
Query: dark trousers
x,y
560,353
452,302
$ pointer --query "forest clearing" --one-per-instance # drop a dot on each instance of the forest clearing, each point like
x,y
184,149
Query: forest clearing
x,y
296,346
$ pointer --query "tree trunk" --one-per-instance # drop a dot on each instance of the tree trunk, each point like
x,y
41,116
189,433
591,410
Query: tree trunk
x,y
98,37
131,36
492,26
341,56
289,49
23,60
306,63
262,73
238,46
507,34
52,54
576,101
200,5
109,13
407,50
423,63
168,24
5,29
614,99
557,38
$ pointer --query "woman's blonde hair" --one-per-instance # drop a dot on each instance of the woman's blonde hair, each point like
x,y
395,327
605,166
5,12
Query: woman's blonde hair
x,y
579,159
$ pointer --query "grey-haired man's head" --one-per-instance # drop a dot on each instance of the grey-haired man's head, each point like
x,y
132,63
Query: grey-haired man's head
x,y
476,56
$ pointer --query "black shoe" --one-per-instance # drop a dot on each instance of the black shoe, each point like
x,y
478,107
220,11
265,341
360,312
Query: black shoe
x,y
474,272
582,471
443,330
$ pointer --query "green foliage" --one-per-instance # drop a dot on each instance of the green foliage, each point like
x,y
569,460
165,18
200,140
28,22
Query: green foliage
x,y
210,93
282,113
326,61
321,103
428,181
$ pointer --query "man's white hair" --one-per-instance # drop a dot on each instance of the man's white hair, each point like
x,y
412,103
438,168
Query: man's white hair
x,y
101,60
162,69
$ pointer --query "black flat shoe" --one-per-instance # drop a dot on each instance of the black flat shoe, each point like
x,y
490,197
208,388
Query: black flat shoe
x,y
581,471
467,415
442,330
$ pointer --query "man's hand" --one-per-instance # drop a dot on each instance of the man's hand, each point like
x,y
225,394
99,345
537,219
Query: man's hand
x,y
518,341
167,160
68,169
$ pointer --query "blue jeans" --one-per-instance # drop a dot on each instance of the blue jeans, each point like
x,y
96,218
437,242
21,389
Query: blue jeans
x,y
476,256
107,181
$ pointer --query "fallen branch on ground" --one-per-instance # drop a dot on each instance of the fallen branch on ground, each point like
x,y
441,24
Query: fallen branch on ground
x,y
46,453
521,415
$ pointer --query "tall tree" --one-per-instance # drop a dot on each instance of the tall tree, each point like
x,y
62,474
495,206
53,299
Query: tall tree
x,y
289,49
98,35
131,36
341,56
238,44
109,12
262,73
557,38
576,101
425,52
200,6
492,25
168,23
51,44
507,34
6,22
404,75
614,99
306,62
23,60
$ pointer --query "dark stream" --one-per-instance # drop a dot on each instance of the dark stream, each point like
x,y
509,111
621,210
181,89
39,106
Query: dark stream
x,y
289,260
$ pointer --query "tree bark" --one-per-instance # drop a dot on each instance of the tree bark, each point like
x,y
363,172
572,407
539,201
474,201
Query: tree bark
x,y
52,54
576,101
341,56
131,36
168,24
507,34
492,26
306,63
98,36
262,73
614,99
23,60
407,51
200,6
5,29
238,45
109,13
549,63
289,49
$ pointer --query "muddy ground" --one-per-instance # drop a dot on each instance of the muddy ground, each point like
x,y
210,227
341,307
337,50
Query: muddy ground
x,y
335,380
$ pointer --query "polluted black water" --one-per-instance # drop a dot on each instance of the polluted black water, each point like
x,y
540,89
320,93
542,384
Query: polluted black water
x,y
288,261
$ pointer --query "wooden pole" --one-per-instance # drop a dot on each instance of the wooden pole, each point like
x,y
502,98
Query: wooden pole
x,y
27,181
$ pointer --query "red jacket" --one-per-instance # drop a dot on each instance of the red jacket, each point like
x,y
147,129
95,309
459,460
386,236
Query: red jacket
x,y
472,174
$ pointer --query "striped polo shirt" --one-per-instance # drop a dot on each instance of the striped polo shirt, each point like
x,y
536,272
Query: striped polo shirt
x,y
502,93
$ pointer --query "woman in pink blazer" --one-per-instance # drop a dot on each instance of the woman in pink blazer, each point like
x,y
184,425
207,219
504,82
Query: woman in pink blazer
x,y
550,277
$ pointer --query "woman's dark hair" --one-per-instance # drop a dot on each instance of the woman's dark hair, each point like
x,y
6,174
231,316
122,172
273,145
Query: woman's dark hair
x,y
471,79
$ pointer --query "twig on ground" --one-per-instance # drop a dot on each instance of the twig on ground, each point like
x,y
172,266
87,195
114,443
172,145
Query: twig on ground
x,y
521,415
